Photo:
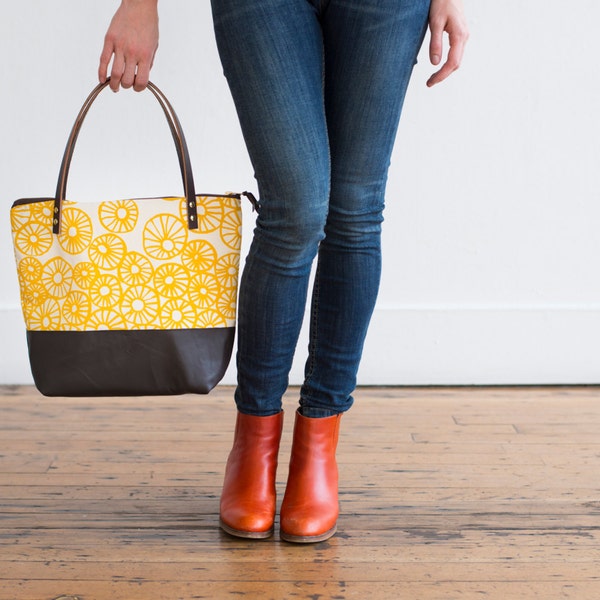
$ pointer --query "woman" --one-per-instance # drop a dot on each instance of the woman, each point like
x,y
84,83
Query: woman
x,y
318,86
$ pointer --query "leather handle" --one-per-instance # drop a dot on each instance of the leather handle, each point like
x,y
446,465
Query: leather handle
x,y
180,145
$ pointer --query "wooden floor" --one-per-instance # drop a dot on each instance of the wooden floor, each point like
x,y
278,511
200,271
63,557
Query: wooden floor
x,y
446,493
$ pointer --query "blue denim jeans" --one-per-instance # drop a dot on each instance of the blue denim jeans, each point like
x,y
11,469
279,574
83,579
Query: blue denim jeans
x,y
318,86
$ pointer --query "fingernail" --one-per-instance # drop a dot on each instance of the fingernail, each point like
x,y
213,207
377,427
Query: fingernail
x,y
436,59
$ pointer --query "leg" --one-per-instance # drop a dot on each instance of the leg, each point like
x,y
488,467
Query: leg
x,y
272,54
370,50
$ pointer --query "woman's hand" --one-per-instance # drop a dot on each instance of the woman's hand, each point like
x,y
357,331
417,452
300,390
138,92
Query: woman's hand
x,y
446,16
131,41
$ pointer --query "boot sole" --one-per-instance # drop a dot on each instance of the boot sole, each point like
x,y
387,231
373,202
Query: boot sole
x,y
253,535
307,539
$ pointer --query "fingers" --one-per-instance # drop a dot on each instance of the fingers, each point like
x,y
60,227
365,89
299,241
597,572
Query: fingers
x,y
436,43
128,76
105,57
446,17
109,52
455,54
136,73
142,76
124,73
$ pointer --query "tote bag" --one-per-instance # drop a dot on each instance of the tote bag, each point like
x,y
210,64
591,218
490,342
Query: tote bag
x,y
128,296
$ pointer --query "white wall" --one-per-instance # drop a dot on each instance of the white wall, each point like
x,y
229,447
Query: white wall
x,y
491,246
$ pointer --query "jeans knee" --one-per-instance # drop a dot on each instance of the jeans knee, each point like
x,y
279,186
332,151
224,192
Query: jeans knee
x,y
354,230
288,235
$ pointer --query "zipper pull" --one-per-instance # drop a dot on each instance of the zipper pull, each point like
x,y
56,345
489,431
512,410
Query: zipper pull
x,y
255,203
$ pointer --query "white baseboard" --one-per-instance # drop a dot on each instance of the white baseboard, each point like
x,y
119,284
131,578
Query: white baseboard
x,y
433,345
483,345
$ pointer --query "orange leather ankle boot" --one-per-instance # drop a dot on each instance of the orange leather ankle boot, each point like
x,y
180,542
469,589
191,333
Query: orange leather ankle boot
x,y
310,505
248,499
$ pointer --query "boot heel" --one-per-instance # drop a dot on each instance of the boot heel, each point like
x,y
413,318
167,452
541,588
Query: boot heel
x,y
307,539
251,535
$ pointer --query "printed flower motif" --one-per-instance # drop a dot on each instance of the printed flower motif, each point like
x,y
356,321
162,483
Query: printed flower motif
x,y
57,277
210,318
171,283
33,294
45,317
43,211
210,213
227,303
76,308
84,274
140,305
33,239
107,251
227,270
106,319
75,231
20,215
171,280
40,211
105,291
204,290
118,216
29,269
177,314
135,269
164,237
231,229
199,256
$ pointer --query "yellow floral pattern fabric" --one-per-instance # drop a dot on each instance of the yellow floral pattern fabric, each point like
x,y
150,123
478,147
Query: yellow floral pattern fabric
x,y
128,264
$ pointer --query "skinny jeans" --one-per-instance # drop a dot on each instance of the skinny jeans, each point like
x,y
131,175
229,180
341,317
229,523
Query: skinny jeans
x,y
318,87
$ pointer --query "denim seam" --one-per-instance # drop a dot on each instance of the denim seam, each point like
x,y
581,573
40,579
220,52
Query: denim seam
x,y
314,322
